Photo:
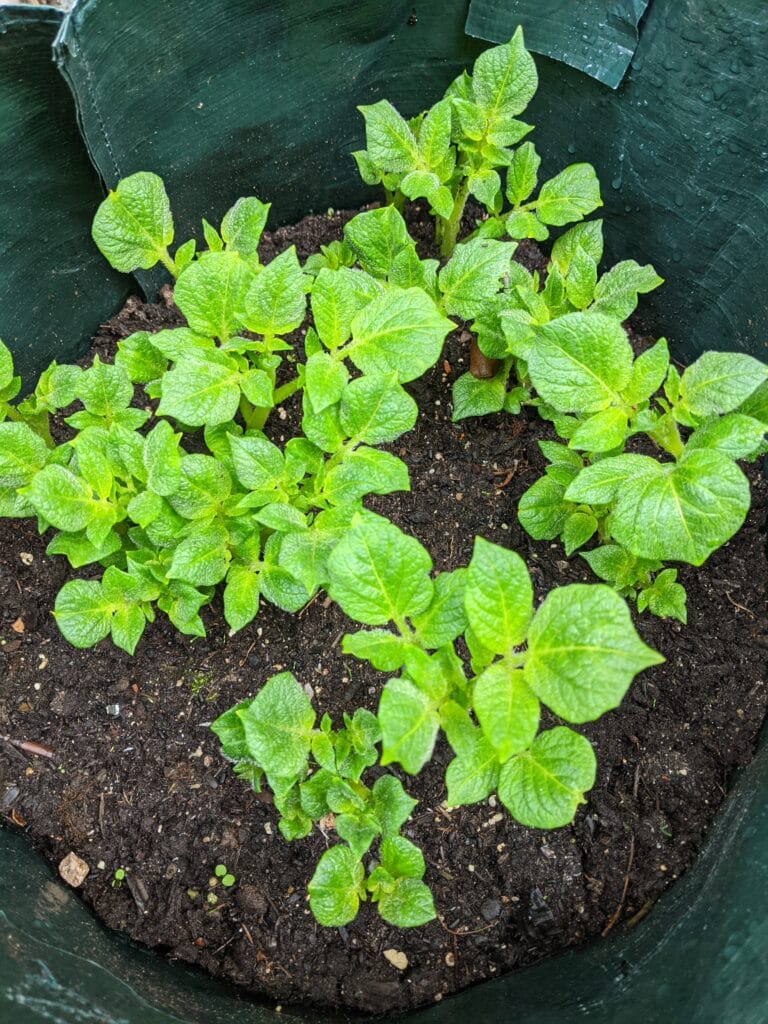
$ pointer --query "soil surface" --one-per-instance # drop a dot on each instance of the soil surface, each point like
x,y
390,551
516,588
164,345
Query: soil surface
x,y
136,780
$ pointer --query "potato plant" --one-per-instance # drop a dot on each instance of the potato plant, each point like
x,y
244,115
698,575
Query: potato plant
x,y
463,145
576,655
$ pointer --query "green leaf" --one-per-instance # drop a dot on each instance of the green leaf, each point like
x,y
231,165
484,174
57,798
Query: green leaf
x,y
498,597
418,183
376,409
325,380
280,588
211,294
602,432
231,733
180,342
243,225
580,362
139,359
276,301
665,597
583,651
201,390
600,483
543,787
522,173
390,804
648,373
379,239
281,516
507,710
401,858
543,510
202,558
278,727
445,618
390,143
616,292
358,830
133,226
379,574
241,596
473,275
79,550
485,186
719,382
402,331
162,458
83,613
6,366
104,389
524,224
409,725
61,498
337,296
735,435
258,463
22,454
582,278
569,196
474,773
384,650
408,904
334,890
504,80
684,511
757,404
365,471
204,485
475,396
305,555
578,529
587,235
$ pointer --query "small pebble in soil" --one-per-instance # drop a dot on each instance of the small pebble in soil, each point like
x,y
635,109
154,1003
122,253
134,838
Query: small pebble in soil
x,y
396,958
490,910
73,870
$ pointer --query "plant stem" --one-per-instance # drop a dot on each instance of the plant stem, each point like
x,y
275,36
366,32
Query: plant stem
x,y
287,389
453,223
168,263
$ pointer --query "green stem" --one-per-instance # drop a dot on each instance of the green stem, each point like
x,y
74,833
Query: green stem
x,y
286,390
453,223
168,263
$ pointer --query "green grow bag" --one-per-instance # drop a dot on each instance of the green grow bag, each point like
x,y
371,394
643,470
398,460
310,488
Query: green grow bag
x,y
667,99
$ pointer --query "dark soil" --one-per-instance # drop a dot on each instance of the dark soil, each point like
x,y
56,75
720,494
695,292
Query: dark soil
x,y
137,782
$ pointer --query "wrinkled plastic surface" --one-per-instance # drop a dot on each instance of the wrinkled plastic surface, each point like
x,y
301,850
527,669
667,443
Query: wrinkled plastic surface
x,y
55,287
227,98
698,958
598,37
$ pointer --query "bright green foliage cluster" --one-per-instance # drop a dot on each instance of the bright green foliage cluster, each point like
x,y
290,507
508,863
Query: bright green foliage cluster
x,y
463,145
643,511
575,655
181,491
274,736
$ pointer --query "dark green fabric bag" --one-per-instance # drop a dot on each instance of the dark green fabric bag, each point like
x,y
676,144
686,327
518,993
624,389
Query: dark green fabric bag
x,y
667,99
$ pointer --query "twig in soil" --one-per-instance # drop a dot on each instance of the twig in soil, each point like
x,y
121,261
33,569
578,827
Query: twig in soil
x,y
638,917
461,934
741,607
508,474
224,945
247,654
33,749
617,912
246,933
636,783
101,816
138,891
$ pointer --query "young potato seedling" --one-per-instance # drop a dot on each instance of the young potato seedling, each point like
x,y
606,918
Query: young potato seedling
x,y
576,655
